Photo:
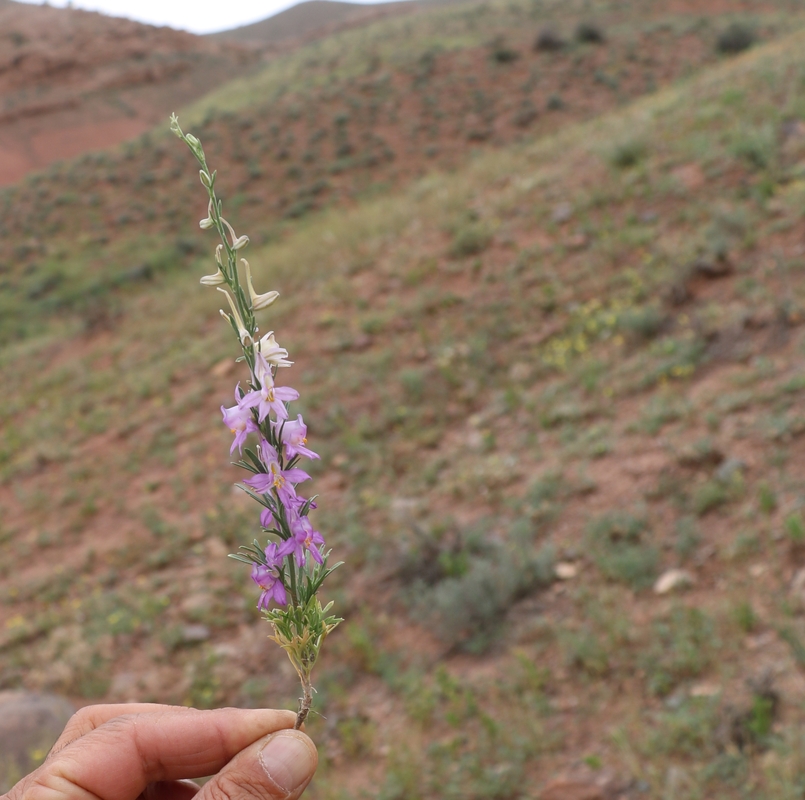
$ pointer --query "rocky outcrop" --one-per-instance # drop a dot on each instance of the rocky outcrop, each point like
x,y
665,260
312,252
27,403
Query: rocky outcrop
x,y
29,725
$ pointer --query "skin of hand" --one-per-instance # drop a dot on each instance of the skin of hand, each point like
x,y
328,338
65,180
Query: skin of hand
x,y
146,751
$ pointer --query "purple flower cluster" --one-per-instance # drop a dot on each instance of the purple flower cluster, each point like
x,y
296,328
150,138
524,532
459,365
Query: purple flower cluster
x,y
282,441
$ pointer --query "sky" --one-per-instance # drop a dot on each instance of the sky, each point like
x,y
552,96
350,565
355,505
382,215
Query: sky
x,y
197,16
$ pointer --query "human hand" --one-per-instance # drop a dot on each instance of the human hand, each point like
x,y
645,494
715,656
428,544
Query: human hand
x,y
140,750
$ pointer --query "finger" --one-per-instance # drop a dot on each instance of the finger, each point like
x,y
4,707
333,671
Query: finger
x,y
170,790
277,768
88,718
117,760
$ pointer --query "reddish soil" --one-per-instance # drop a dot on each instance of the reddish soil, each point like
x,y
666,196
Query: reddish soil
x,y
75,81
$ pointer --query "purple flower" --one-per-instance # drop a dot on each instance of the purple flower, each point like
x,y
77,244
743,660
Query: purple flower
x,y
296,503
267,518
294,437
267,577
281,480
268,397
304,539
239,420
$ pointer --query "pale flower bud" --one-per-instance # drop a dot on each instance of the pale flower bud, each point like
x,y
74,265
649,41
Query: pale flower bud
x,y
242,332
218,255
207,222
206,180
238,242
259,301
213,280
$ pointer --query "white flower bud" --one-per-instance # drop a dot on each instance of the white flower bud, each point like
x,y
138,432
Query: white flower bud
x,y
207,222
213,280
259,301
175,125
242,332
206,180
191,140
218,255
238,242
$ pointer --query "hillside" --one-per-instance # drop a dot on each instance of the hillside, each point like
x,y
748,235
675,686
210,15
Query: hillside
x,y
74,81
355,115
310,18
543,367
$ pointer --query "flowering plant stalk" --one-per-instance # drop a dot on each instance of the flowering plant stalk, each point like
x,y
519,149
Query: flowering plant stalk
x,y
290,569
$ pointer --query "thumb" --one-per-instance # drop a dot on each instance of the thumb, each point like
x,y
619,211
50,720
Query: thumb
x,y
278,767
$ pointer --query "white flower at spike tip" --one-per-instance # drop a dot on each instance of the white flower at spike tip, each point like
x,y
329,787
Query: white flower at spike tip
x,y
259,301
272,352
242,332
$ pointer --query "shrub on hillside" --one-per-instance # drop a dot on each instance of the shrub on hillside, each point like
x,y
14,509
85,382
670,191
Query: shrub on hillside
x,y
628,153
641,323
555,103
471,240
470,608
589,33
502,53
682,648
465,582
736,38
620,547
756,146
549,40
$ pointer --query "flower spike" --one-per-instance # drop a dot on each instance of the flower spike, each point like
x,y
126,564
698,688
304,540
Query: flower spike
x,y
289,567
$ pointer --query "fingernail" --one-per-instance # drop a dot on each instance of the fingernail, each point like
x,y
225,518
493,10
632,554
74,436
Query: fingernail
x,y
288,760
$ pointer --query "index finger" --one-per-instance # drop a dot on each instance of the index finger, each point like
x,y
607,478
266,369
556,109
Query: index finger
x,y
88,718
118,759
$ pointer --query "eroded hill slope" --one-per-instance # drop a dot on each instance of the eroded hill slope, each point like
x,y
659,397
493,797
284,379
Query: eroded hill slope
x,y
538,383
74,81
